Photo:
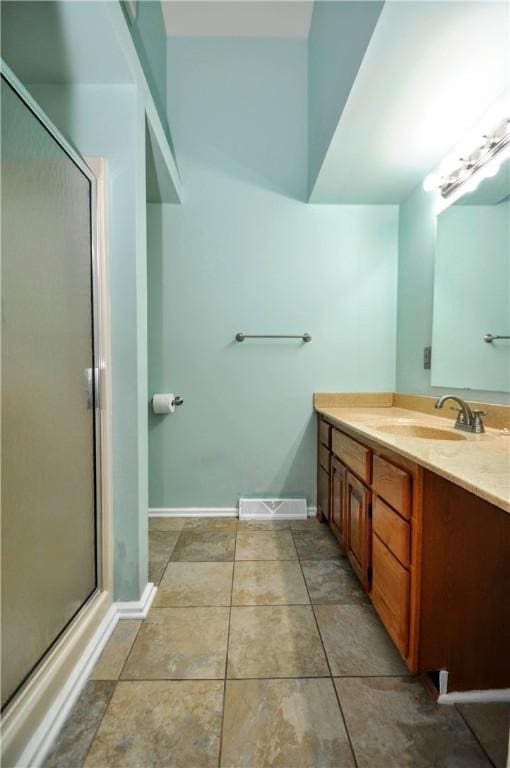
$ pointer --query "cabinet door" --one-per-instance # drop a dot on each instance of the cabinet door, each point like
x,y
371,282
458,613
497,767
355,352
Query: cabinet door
x,y
358,527
338,487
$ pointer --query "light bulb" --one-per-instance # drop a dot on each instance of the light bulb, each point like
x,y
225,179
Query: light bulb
x,y
496,113
471,184
490,170
431,182
449,164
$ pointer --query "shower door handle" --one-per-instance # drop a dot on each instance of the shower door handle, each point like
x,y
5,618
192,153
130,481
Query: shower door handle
x,y
92,382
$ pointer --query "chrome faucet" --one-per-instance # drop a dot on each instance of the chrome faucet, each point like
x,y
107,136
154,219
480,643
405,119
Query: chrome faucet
x,y
468,420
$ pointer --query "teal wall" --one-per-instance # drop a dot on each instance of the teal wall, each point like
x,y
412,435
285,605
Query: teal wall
x,y
339,35
244,253
58,41
116,133
417,245
149,36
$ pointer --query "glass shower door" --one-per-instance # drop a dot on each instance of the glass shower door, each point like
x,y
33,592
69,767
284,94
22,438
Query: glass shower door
x,y
48,407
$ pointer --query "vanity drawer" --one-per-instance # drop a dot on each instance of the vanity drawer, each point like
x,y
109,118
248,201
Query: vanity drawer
x,y
392,529
393,484
390,593
324,433
354,455
324,457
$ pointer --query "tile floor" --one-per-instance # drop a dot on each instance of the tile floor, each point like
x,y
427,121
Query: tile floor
x,y
261,649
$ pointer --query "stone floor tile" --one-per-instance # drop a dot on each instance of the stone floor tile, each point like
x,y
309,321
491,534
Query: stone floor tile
x,y
161,546
332,581
393,722
214,545
114,655
317,545
490,722
178,644
195,584
166,523
77,734
275,641
310,525
156,571
274,582
283,724
210,523
265,545
263,525
356,642
160,724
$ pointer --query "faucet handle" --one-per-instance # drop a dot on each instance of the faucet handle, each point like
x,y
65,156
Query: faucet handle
x,y
478,426
460,414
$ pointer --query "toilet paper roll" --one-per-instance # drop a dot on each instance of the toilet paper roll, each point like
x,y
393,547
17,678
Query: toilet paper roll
x,y
163,403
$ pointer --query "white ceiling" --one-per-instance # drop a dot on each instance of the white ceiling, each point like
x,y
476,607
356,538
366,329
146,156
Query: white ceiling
x,y
238,18
430,72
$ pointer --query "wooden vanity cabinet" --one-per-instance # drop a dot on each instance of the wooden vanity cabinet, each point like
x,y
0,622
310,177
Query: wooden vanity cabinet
x,y
350,501
465,590
392,484
358,527
391,548
355,456
392,530
390,593
323,493
324,471
433,557
337,501
365,480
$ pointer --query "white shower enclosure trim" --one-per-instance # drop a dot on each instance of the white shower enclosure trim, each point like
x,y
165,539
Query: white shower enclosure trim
x,y
34,703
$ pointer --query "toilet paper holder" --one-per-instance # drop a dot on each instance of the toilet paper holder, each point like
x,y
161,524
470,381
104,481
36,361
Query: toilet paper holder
x,y
162,404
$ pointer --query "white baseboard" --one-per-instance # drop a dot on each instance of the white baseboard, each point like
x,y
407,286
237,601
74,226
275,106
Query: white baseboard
x,y
470,697
443,681
204,511
41,741
193,512
137,609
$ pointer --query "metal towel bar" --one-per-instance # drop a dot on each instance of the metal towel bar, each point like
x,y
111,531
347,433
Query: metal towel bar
x,y
302,336
490,337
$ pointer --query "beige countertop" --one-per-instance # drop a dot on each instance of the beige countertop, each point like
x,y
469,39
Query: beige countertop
x,y
479,463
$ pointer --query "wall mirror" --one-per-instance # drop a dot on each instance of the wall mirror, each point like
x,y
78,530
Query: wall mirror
x,y
472,289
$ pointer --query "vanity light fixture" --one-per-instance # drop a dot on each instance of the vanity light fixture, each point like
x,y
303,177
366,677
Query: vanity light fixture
x,y
469,170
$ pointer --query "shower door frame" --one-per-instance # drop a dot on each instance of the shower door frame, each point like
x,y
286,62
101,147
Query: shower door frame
x,y
34,700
